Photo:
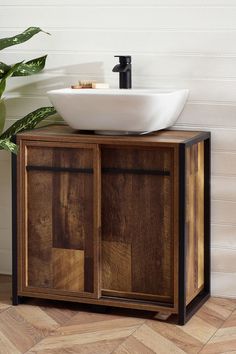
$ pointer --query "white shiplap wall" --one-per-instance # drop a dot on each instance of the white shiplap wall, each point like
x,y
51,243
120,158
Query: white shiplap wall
x,y
174,44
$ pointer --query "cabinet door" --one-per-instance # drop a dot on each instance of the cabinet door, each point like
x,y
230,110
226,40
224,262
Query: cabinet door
x,y
59,225
137,223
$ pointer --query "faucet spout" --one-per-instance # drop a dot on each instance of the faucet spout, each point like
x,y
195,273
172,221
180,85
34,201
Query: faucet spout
x,y
124,70
120,68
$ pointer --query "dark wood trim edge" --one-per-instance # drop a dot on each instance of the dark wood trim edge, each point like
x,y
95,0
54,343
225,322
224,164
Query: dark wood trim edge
x,y
207,215
16,300
59,169
195,304
182,239
14,228
185,313
110,170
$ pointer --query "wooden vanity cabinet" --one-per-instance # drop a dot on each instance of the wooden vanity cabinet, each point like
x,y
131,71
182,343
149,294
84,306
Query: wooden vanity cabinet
x,y
116,221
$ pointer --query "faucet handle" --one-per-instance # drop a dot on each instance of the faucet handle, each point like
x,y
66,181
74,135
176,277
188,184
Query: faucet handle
x,y
124,59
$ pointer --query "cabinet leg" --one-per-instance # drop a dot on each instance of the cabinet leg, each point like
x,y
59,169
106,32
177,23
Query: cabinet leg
x,y
17,300
181,320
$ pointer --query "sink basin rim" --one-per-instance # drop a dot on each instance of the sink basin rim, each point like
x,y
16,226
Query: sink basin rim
x,y
116,92
127,110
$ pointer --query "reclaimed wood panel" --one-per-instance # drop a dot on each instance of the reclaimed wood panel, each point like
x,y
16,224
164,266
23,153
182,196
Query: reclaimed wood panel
x,y
195,219
72,209
39,240
60,207
116,266
66,134
59,157
200,211
68,269
39,156
136,210
71,220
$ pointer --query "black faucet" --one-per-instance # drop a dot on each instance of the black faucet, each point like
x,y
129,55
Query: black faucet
x,y
124,69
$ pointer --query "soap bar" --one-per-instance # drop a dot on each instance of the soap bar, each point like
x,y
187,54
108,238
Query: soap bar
x,y
86,84
76,86
100,85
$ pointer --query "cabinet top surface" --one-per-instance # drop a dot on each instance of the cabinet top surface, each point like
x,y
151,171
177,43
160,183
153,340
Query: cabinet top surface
x,y
61,132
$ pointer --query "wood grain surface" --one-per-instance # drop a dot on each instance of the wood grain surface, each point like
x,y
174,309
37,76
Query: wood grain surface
x,y
116,266
59,238
67,134
195,219
99,217
39,229
136,211
68,269
72,199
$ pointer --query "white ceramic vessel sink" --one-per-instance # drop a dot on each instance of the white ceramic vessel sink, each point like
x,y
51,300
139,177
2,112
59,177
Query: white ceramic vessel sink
x,y
118,111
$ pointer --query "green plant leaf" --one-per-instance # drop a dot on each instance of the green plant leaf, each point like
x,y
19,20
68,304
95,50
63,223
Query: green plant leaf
x,y
28,122
8,74
20,38
4,68
2,115
6,144
31,67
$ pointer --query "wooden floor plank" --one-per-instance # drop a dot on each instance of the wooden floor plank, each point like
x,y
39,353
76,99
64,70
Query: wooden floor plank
x,y
231,321
5,290
102,347
215,312
18,330
52,327
219,347
83,317
199,329
3,307
155,341
39,319
58,311
175,335
132,346
229,304
224,339
6,347
69,341
107,325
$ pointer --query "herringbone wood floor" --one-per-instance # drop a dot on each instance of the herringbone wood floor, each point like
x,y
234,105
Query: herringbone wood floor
x,y
43,327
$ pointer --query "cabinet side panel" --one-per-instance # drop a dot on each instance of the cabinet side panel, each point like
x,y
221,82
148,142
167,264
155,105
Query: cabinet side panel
x,y
194,219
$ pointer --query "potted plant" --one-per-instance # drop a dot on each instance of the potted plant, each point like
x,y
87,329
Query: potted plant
x,y
20,69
